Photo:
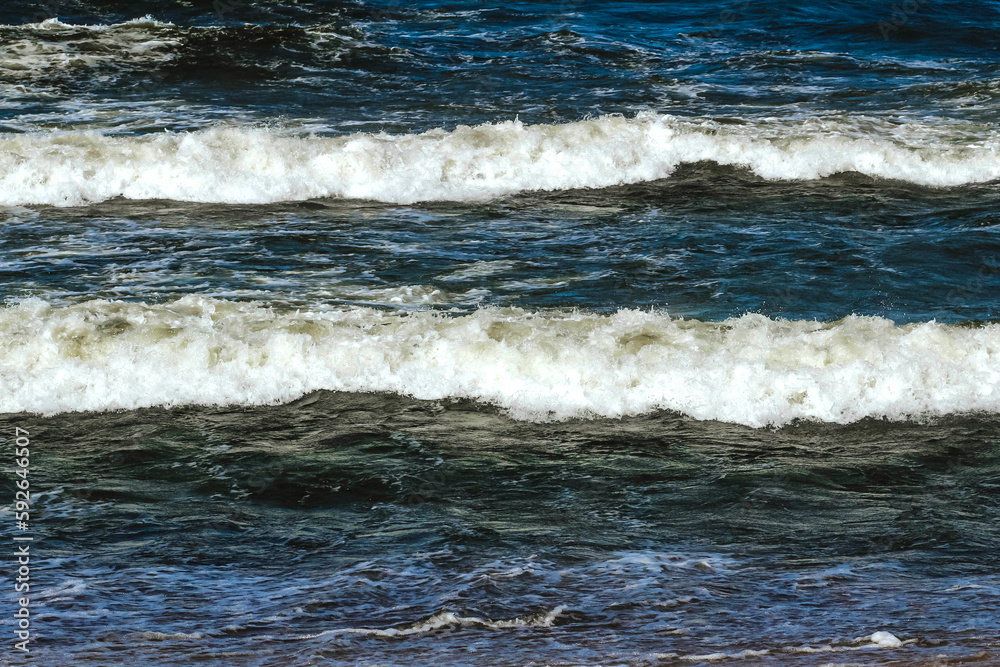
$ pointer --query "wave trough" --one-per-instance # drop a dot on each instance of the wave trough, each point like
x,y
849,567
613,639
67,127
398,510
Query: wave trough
x,y
244,165
104,355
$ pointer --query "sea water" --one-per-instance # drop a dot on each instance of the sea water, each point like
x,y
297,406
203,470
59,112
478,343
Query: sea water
x,y
575,333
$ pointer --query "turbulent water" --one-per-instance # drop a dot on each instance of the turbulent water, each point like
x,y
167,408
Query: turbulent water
x,y
548,333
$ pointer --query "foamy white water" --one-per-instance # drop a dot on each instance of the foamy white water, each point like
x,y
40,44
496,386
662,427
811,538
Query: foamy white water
x,y
51,46
256,165
751,370
450,619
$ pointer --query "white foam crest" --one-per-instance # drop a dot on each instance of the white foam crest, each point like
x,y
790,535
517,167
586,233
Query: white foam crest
x,y
714,657
410,296
450,619
257,165
35,49
55,25
880,639
751,370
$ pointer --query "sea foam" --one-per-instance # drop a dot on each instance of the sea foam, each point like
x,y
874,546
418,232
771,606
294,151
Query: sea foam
x,y
245,165
751,370
52,47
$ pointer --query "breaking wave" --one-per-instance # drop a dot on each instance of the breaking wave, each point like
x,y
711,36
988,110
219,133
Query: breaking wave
x,y
244,165
752,370
447,619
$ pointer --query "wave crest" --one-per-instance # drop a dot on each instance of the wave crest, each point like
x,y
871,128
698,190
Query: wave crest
x,y
243,165
750,370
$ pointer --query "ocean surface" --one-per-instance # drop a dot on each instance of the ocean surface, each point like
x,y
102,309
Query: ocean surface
x,y
449,333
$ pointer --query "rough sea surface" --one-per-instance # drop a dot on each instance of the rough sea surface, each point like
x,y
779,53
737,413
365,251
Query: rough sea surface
x,y
448,333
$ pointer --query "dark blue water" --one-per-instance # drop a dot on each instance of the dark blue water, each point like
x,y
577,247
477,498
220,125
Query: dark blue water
x,y
358,66
801,252
546,333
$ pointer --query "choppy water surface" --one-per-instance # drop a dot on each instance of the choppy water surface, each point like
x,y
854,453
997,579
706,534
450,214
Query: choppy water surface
x,y
445,333
346,528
